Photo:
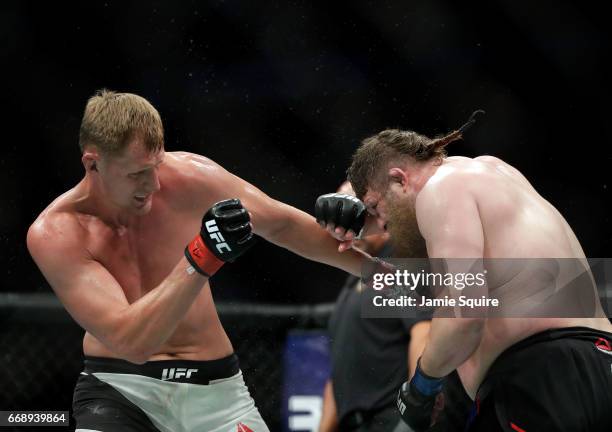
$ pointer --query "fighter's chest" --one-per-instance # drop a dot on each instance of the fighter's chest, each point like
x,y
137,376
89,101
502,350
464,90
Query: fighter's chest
x,y
141,258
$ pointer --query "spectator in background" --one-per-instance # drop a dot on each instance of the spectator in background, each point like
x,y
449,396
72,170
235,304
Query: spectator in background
x,y
370,358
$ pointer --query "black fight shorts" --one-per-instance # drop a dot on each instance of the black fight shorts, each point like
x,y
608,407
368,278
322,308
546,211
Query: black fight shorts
x,y
556,380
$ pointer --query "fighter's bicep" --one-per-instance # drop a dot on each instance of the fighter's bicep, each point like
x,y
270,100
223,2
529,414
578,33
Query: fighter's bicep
x,y
267,214
90,294
94,298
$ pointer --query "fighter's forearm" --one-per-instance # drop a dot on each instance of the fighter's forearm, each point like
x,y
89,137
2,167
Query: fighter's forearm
x,y
451,342
419,334
329,415
148,322
302,235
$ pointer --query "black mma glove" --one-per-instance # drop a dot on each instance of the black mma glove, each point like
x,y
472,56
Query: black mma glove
x,y
416,399
341,210
225,234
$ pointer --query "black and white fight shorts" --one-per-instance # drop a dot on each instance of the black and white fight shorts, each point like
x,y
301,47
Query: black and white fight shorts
x,y
164,396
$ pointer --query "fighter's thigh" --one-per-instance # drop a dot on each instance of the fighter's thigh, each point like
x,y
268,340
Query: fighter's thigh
x,y
98,407
251,421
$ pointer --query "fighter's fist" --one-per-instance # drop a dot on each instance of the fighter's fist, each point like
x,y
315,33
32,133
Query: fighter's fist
x,y
341,210
224,236
419,400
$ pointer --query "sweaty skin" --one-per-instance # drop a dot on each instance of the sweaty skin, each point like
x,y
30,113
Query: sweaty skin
x,y
482,208
125,280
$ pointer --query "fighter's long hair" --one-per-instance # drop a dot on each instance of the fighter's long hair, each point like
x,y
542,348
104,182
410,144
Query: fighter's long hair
x,y
376,151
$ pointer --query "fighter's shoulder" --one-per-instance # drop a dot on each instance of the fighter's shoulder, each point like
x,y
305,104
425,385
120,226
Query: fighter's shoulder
x,y
453,180
450,178
189,162
489,159
193,167
459,173
56,229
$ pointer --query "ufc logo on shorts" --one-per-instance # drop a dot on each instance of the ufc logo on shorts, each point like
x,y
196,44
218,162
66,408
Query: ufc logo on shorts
x,y
213,231
176,373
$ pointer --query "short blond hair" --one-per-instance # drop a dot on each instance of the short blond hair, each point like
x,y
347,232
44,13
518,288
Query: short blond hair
x,y
112,119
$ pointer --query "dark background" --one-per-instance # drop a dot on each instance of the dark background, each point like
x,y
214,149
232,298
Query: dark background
x,y
281,93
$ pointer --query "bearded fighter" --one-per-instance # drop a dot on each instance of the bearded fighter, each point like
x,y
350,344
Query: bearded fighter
x,y
549,370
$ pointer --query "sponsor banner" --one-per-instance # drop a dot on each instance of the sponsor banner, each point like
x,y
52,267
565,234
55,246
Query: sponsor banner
x,y
306,370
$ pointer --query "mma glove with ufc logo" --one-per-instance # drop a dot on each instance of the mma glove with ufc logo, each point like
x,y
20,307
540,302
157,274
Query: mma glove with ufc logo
x,y
224,236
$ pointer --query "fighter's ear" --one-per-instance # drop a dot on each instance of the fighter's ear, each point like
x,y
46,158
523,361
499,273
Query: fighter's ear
x,y
398,175
90,160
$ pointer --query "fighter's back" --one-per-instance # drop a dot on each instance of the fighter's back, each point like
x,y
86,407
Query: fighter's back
x,y
518,224
517,221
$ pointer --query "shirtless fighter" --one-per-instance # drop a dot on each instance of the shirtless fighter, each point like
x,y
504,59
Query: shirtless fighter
x,y
113,249
536,374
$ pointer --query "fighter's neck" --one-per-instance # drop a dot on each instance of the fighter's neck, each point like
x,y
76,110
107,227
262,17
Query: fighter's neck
x,y
421,176
97,203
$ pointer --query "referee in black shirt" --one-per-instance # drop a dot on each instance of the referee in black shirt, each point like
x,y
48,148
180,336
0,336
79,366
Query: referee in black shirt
x,y
371,358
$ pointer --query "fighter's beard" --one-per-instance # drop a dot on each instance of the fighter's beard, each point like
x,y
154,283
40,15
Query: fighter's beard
x,y
404,231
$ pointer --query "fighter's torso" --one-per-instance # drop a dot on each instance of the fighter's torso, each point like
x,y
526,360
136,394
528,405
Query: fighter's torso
x,y
142,255
517,223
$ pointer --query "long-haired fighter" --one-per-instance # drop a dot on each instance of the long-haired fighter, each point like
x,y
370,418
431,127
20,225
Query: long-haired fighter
x,y
552,371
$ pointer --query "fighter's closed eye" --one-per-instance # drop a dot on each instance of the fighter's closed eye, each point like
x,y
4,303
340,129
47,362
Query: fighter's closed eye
x,y
136,174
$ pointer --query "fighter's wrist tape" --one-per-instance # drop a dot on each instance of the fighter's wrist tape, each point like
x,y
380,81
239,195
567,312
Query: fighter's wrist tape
x,y
201,258
425,384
